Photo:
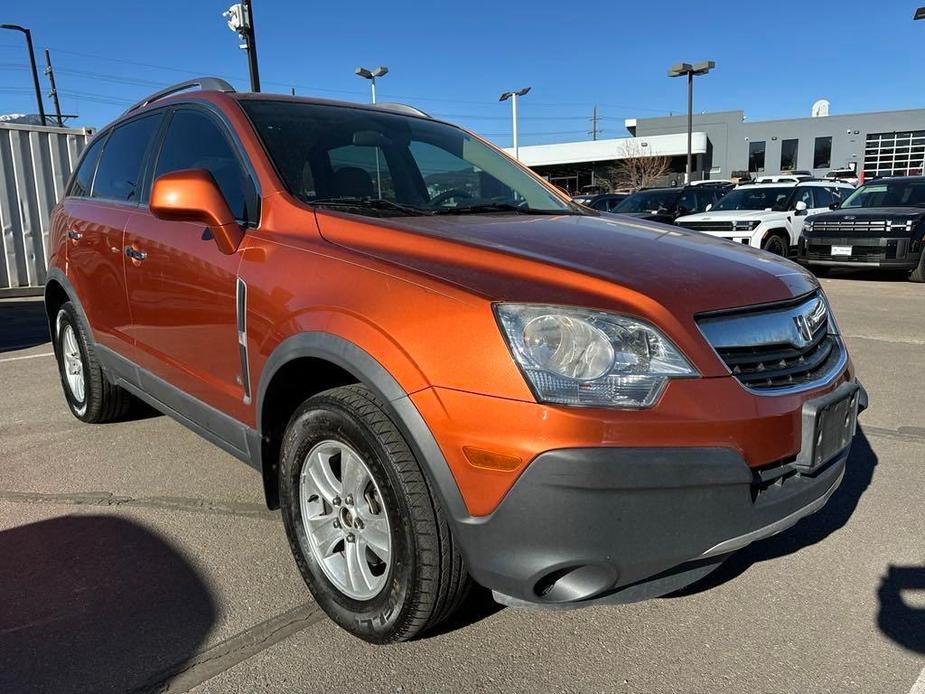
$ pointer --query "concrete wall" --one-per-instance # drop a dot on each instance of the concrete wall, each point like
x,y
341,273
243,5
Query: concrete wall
x,y
35,164
729,135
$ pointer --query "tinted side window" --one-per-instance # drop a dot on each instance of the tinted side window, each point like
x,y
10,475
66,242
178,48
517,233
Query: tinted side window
x,y
804,195
80,185
823,197
120,169
195,141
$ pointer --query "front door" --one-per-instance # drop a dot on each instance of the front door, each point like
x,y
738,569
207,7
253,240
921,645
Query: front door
x,y
181,288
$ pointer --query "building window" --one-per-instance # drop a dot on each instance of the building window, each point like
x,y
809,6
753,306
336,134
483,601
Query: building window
x,y
822,153
788,154
755,157
894,154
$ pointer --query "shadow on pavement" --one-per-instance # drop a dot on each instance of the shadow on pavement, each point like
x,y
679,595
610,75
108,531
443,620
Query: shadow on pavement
x,y
95,604
808,531
898,620
22,324
838,273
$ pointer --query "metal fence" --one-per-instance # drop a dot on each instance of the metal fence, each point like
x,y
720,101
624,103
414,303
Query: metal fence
x,y
35,163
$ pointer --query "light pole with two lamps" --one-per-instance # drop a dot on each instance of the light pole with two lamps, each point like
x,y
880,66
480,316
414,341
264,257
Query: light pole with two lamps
x,y
690,70
371,75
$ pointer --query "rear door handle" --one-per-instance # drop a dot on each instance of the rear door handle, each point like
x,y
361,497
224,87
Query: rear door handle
x,y
135,254
74,235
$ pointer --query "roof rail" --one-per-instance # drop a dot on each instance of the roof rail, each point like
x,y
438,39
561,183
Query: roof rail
x,y
213,83
402,108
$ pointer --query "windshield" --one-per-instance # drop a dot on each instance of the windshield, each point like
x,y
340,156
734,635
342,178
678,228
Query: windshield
x,y
755,198
386,164
888,194
649,201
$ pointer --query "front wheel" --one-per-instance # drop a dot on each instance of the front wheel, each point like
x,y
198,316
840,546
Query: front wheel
x,y
367,534
918,275
775,244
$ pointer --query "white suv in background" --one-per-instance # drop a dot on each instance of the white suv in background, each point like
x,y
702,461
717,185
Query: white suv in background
x,y
767,215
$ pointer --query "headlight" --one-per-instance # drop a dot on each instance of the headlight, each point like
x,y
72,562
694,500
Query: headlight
x,y
575,356
746,225
807,225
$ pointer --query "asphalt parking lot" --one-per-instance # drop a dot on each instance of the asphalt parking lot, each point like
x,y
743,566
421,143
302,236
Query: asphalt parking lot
x,y
137,557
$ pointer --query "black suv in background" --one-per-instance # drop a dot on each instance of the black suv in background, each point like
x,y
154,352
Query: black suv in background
x,y
880,225
667,204
603,202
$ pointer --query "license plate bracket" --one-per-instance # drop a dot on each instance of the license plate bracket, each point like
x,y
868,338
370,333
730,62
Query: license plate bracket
x,y
829,424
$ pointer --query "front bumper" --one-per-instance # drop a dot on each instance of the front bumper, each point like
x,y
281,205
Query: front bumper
x,y
594,525
876,251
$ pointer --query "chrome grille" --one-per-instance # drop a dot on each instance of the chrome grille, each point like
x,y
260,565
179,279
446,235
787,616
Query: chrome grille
x,y
876,226
707,226
781,347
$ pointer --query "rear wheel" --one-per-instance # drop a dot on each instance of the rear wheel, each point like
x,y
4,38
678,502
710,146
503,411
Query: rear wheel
x,y
776,244
90,396
369,538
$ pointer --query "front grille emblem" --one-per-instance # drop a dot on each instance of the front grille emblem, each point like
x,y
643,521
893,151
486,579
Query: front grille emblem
x,y
804,332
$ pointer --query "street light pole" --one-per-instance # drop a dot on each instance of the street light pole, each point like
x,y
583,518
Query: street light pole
x,y
371,75
35,74
689,70
513,97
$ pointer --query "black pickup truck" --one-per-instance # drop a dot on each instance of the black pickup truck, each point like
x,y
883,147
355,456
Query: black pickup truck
x,y
880,225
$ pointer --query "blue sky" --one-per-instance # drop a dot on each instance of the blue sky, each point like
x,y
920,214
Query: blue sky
x,y
453,59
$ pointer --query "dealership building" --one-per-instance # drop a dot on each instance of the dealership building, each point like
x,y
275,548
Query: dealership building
x,y
884,143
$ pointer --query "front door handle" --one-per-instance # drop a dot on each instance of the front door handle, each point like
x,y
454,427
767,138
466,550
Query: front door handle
x,y
74,235
135,254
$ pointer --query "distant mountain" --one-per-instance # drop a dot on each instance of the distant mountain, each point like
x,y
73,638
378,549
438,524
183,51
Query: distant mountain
x,y
20,118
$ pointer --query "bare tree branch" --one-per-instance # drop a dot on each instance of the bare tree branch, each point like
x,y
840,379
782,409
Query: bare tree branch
x,y
635,171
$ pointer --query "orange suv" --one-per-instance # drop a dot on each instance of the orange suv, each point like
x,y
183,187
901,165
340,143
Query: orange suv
x,y
443,369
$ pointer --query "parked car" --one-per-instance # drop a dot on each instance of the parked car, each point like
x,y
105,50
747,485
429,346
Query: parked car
x,y
881,224
667,204
783,178
767,215
488,383
849,176
604,202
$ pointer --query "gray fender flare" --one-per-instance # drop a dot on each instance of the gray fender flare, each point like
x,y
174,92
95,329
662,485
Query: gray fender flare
x,y
56,275
370,372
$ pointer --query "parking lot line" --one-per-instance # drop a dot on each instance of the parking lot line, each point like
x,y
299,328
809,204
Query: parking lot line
x,y
28,356
918,686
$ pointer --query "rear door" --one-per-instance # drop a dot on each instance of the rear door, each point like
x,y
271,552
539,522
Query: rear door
x,y
101,203
182,292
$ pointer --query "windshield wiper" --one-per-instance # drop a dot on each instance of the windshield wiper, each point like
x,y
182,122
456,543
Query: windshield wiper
x,y
370,203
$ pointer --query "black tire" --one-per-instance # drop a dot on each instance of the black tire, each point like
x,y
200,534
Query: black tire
x,y
427,576
776,244
102,401
918,275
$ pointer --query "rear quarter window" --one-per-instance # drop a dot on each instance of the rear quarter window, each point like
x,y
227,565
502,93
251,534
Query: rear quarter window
x,y
83,178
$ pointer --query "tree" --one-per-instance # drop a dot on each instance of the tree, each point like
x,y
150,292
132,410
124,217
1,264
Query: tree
x,y
636,169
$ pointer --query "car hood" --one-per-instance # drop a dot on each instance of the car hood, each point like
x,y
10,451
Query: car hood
x,y
893,213
686,272
731,215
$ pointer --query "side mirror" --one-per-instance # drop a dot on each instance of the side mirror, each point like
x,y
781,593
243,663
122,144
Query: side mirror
x,y
192,195
834,205
800,207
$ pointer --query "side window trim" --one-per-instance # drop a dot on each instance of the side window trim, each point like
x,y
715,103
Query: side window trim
x,y
253,192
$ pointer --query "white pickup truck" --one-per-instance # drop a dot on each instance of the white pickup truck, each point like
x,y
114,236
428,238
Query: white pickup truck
x,y
767,215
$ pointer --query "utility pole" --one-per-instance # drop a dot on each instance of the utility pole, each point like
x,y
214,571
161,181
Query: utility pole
x,y
50,73
35,73
594,123
241,20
